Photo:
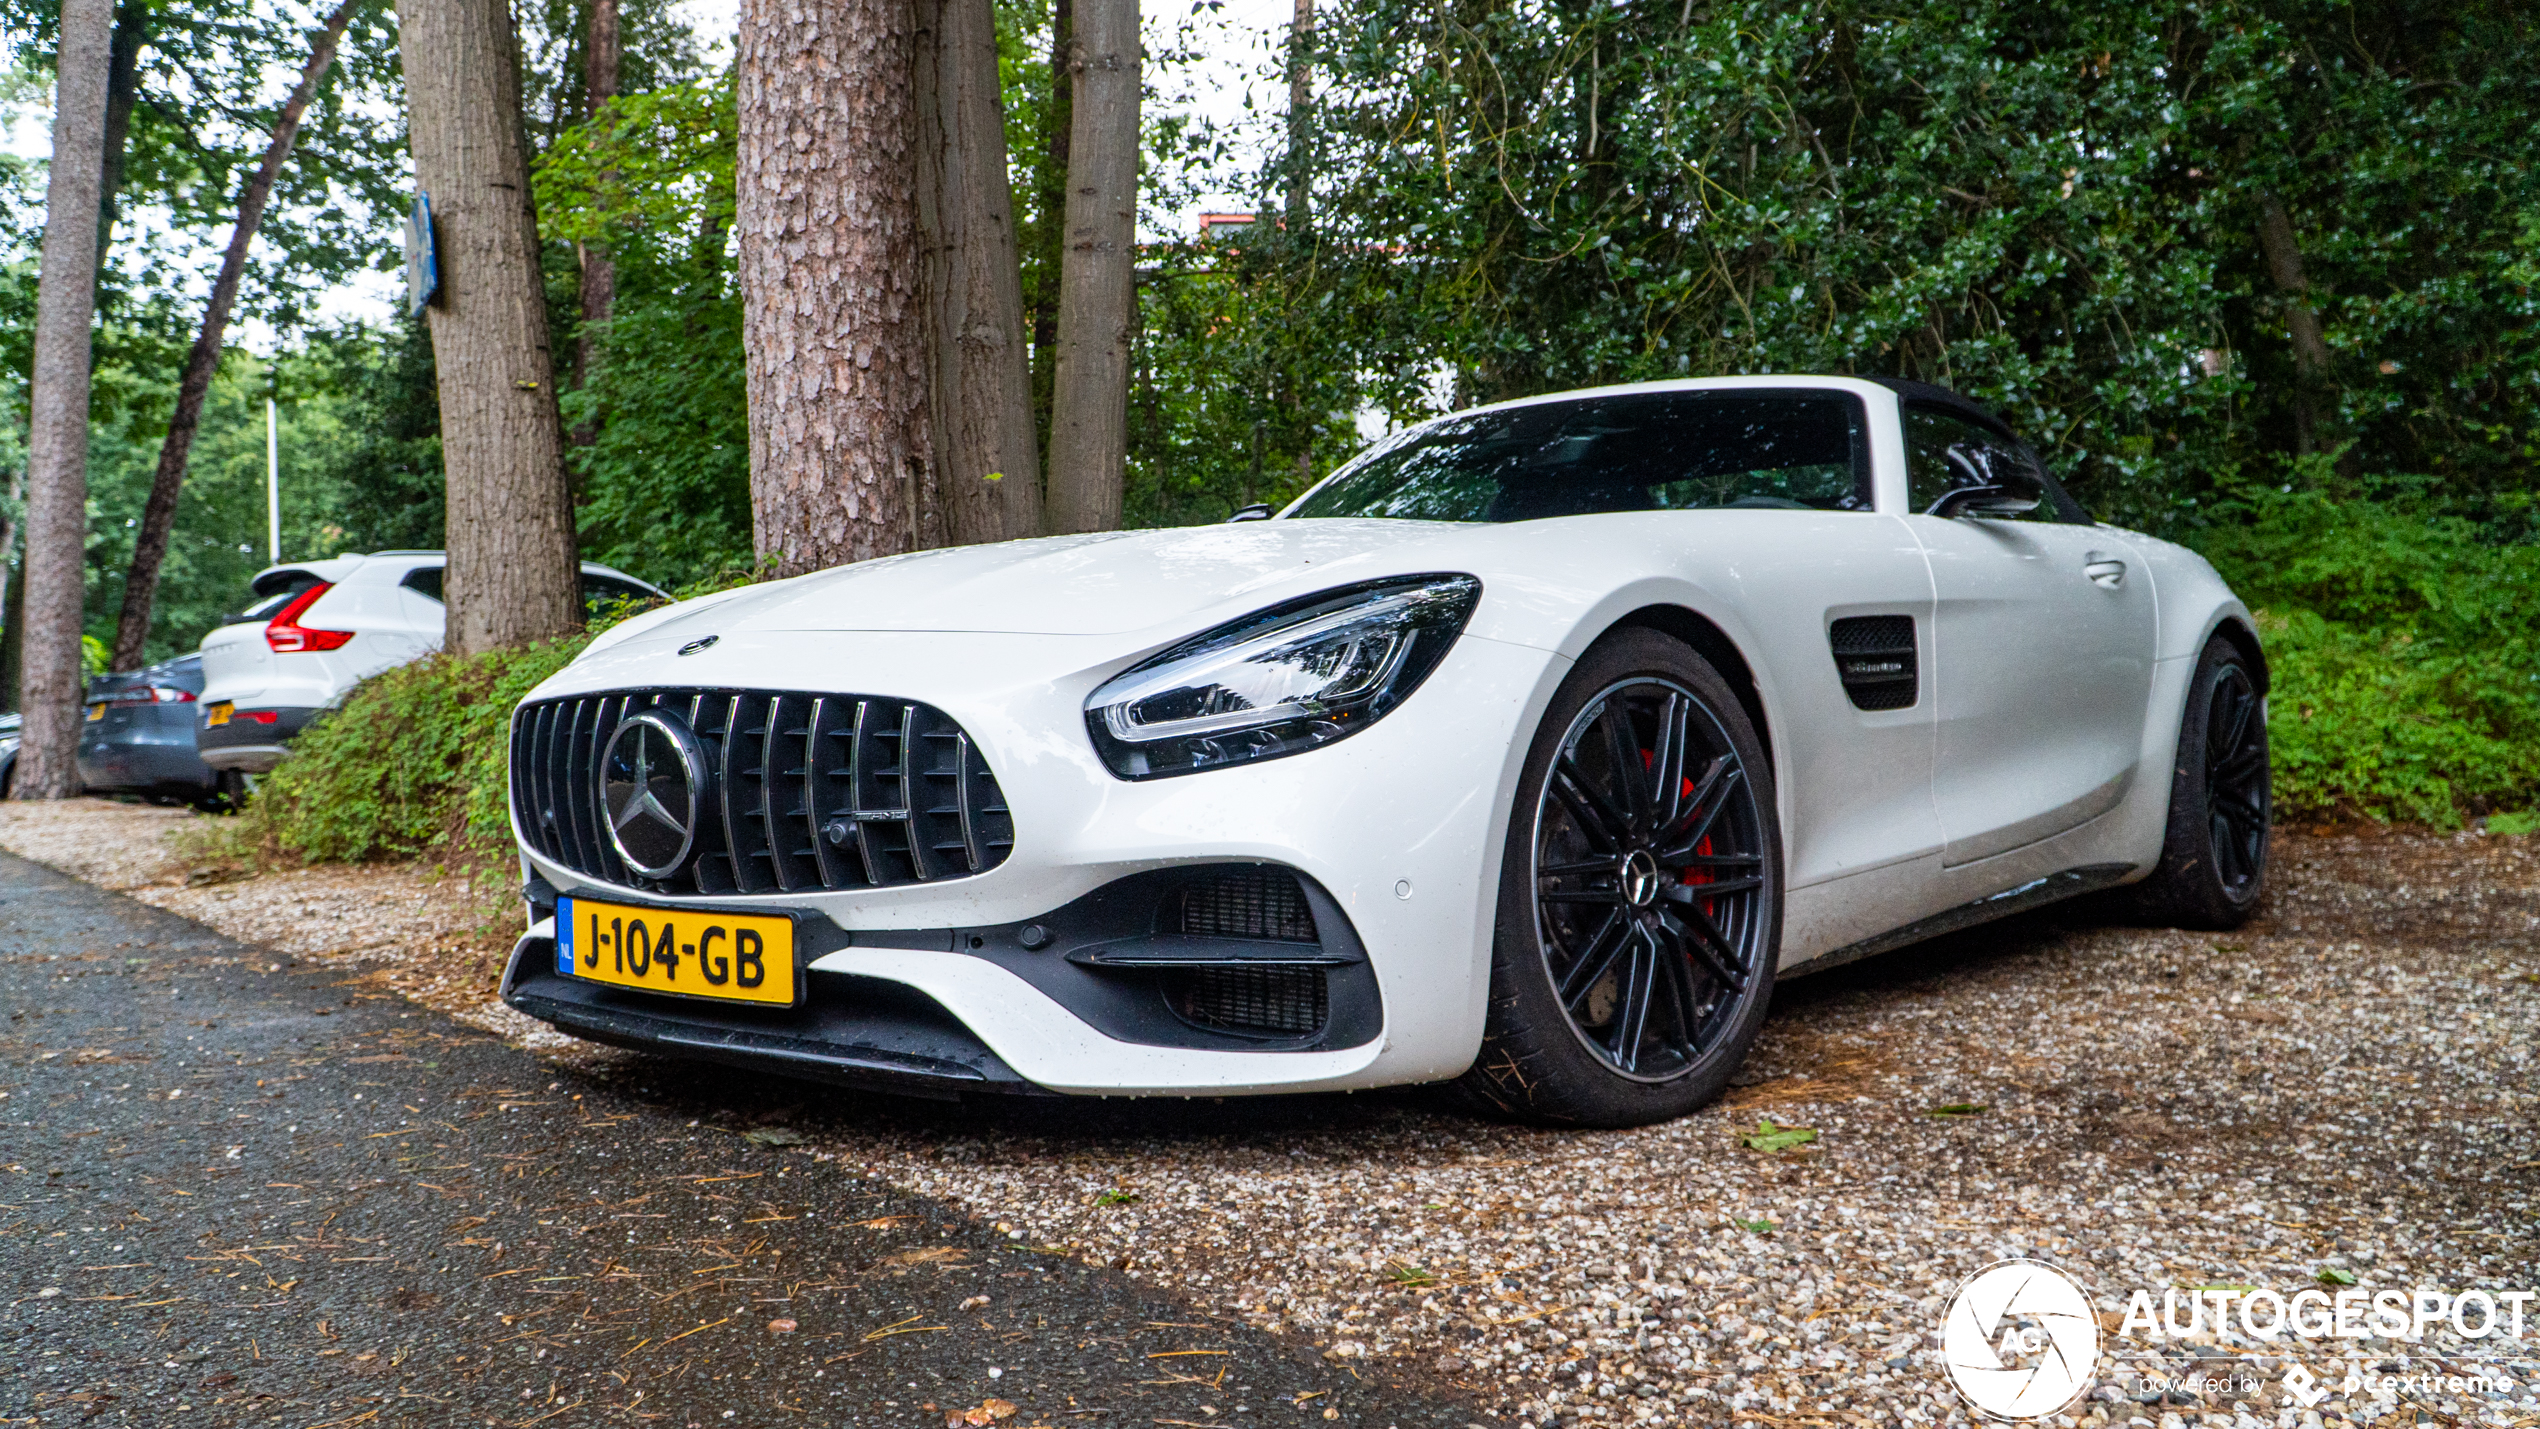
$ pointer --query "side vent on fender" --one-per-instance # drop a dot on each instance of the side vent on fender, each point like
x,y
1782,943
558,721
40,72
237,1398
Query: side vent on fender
x,y
1874,655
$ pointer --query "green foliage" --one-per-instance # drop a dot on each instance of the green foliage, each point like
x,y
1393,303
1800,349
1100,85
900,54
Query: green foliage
x,y
2405,651
664,477
2051,206
411,763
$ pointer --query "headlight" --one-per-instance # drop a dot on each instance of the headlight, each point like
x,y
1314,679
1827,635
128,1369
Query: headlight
x,y
1280,681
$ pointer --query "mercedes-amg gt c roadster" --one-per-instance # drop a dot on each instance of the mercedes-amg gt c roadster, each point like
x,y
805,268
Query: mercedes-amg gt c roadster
x,y
1524,753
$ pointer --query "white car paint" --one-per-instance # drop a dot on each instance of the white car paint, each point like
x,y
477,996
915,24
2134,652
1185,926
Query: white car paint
x,y
391,623
2041,742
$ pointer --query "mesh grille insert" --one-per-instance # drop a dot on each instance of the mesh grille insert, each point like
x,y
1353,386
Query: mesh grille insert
x,y
1874,657
810,792
1247,903
1290,1002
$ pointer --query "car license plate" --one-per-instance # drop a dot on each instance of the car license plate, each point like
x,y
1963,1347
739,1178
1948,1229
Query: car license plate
x,y
691,954
217,713
96,713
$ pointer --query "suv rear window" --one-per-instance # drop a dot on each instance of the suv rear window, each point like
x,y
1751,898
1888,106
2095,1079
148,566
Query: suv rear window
x,y
270,606
424,580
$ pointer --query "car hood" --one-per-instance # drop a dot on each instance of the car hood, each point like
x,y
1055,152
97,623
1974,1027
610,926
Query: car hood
x,y
1101,584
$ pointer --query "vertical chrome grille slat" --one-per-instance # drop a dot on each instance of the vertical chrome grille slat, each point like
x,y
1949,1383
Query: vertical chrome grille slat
x,y
883,776
918,861
770,772
813,818
961,802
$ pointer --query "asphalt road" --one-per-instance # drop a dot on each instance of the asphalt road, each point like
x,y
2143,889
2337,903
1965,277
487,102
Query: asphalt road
x,y
236,1191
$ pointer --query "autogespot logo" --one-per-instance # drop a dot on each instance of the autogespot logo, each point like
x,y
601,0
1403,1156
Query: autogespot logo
x,y
2021,1340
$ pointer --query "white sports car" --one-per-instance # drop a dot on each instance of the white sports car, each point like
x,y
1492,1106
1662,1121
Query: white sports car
x,y
1524,752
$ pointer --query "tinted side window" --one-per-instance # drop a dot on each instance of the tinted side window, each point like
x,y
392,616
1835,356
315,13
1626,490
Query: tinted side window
x,y
1944,452
424,580
600,592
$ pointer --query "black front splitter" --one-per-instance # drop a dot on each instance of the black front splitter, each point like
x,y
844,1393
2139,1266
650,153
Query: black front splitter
x,y
867,1033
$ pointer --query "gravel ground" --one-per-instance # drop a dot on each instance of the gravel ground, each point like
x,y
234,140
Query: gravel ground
x,y
2342,1092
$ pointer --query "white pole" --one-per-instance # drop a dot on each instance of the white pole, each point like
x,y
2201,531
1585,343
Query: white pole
x,y
273,483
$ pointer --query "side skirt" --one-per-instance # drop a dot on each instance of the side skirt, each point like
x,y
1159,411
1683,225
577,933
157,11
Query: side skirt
x,y
2036,893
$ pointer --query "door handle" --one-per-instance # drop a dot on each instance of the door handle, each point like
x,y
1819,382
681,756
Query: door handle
x,y
2105,571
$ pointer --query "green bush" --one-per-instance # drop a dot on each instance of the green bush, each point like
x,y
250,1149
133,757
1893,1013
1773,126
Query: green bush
x,y
412,763
2405,651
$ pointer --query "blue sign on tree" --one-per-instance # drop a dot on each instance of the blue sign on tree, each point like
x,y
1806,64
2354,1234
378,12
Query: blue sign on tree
x,y
423,267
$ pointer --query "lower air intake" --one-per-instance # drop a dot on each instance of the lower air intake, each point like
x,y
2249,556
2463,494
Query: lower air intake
x,y
1275,1002
1247,903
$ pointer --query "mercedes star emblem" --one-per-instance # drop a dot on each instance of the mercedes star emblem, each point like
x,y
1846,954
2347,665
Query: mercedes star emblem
x,y
652,790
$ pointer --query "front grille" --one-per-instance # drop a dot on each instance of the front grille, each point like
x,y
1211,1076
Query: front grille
x,y
1247,903
1874,657
1288,1002
809,792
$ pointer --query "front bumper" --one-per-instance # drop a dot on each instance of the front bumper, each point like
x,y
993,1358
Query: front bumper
x,y
249,742
1399,826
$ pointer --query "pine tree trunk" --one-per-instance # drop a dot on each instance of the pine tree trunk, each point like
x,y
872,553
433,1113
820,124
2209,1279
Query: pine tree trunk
x,y
2310,344
831,274
987,453
158,514
57,429
1050,231
1089,398
512,573
123,89
600,52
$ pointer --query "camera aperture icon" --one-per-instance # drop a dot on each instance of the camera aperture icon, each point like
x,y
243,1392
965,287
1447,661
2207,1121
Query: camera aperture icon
x,y
2021,1340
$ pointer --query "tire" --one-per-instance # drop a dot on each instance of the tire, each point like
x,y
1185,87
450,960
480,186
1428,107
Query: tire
x,y
1596,923
228,796
2213,867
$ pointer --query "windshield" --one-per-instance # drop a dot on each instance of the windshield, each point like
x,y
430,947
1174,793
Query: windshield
x,y
1641,451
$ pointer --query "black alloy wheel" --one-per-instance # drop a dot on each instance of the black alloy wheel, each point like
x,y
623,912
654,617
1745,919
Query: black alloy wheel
x,y
2213,867
1648,882
1640,898
2237,792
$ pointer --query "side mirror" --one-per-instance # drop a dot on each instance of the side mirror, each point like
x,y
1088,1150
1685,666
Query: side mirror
x,y
1257,511
2015,492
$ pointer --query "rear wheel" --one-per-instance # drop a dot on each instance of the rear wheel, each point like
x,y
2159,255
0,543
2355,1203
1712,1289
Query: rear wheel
x,y
2213,867
1640,896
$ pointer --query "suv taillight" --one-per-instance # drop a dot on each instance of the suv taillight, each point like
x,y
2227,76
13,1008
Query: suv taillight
x,y
288,636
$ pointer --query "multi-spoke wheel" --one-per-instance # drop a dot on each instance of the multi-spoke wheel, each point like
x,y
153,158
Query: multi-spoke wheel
x,y
1640,900
2213,864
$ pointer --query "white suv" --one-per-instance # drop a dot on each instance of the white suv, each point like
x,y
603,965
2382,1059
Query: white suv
x,y
318,628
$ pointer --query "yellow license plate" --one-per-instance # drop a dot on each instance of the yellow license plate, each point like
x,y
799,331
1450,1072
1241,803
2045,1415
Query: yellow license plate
x,y
96,712
217,714
729,956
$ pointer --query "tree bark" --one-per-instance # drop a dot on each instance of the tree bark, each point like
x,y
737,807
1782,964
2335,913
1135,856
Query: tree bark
x,y
158,514
1050,233
512,573
831,275
1089,398
2310,345
57,429
600,52
987,451
123,90
1300,117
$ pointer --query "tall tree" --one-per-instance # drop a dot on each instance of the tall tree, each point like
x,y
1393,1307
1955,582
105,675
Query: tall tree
x,y
987,452
1089,399
831,278
512,573
57,433
600,54
158,515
